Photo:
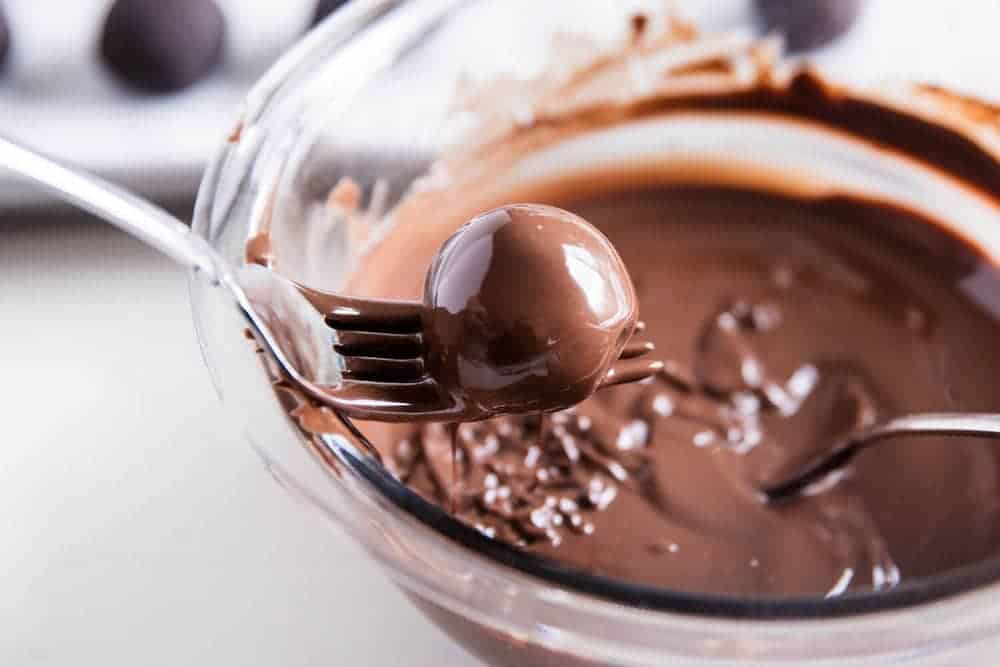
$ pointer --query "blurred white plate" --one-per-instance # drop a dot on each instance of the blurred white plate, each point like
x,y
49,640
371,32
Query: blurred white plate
x,y
56,96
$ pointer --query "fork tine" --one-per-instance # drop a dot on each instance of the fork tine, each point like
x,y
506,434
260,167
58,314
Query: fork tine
x,y
374,344
388,317
350,313
397,402
386,371
631,370
636,348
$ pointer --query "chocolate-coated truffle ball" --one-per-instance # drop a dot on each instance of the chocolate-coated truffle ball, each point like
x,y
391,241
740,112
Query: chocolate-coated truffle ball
x,y
163,45
326,7
528,308
808,24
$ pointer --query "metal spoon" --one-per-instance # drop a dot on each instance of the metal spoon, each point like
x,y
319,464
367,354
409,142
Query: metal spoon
x,y
946,423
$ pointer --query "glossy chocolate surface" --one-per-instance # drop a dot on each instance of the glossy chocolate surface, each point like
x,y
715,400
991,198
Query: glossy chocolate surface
x,y
785,321
527,307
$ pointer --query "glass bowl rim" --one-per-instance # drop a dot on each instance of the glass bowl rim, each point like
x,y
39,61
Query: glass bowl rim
x,y
911,593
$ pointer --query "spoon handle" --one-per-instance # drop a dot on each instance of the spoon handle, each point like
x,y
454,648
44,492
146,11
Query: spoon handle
x,y
135,215
929,423
941,423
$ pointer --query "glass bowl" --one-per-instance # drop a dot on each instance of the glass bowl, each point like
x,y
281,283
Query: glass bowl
x,y
370,95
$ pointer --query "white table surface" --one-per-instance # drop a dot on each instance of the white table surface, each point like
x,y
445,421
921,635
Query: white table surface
x,y
139,530
136,529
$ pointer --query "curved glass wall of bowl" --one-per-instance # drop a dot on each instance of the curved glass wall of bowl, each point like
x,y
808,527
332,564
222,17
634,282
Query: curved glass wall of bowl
x,y
382,130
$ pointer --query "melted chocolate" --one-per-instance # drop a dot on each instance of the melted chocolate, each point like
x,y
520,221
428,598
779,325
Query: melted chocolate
x,y
786,323
808,97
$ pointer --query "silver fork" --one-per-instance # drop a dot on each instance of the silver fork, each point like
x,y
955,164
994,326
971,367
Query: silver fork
x,y
363,357
284,321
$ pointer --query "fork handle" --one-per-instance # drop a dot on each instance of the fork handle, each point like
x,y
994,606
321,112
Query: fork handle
x,y
133,214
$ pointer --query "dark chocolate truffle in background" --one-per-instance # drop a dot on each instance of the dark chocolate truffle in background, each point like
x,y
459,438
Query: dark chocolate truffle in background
x,y
808,24
163,45
4,37
326,7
